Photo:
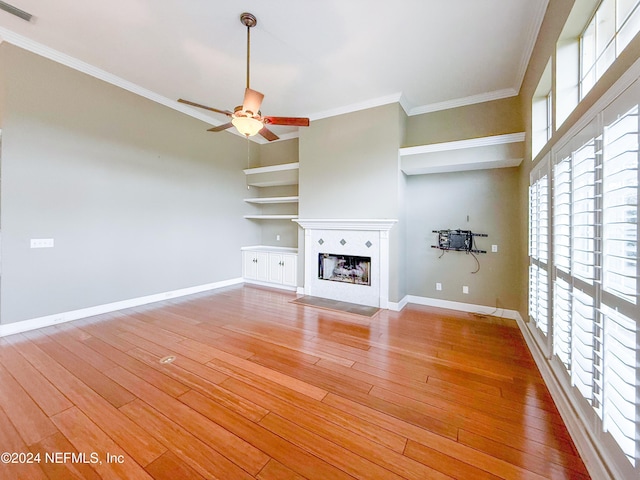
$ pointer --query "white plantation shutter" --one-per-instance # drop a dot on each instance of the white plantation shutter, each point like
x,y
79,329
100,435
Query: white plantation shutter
x,y
621,388
582,344
539,252
588,288
542,313
539,219
543,223
562,215
533,220
620,207
583,230
562,322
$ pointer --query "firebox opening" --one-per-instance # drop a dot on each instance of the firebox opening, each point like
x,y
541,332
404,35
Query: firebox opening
x,y
344,268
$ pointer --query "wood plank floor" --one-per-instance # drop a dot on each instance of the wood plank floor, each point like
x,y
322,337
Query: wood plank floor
x,y
264,388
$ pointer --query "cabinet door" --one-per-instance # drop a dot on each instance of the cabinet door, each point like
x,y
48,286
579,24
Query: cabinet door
x,y
262,263
249,265
290,269
275,268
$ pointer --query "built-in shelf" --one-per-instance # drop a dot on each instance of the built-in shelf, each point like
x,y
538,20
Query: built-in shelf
x,y
272,176
271,217
265,200
498,151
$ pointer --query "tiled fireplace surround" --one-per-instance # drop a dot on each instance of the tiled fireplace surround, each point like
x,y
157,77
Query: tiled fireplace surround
x,y
363,238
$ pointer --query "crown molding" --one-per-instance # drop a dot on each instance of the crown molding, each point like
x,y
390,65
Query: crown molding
x,y
532,37
464,101
25,43
71,62
83,67
355,107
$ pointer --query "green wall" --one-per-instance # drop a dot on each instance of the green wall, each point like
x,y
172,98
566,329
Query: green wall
x,y
483,201
139,198
485,119
349,169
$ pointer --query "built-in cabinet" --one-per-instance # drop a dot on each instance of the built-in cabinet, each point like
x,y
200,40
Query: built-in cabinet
x,y
255,265
272,266
273,176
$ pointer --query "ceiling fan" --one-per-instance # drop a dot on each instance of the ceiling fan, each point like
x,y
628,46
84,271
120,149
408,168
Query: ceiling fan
x,y
247,117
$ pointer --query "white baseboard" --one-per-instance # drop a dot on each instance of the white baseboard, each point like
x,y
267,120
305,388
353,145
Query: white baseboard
x,y
48,320
463,307
397,306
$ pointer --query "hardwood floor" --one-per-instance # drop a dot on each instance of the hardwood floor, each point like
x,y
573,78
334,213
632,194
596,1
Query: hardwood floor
x,y
264,388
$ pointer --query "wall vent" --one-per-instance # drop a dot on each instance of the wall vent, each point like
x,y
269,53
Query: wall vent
x,y
15,11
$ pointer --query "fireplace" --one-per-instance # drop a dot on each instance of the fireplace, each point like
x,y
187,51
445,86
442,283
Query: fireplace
x,y
347,260
344,268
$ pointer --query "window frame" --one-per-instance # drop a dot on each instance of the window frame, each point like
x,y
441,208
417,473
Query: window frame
x,y
591,410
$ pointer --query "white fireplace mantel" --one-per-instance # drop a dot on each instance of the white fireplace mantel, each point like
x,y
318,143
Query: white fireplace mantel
x,y
361,237
375,224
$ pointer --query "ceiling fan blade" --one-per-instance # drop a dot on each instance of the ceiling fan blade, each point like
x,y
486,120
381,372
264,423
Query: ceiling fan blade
x,y
252,101
291,121
193,104
268,134
220,128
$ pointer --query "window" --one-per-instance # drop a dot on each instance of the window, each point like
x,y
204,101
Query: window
x,y
562,322
539,252
621,387
609,31
583,206
620,215
542,112
595,34
548,100
583,290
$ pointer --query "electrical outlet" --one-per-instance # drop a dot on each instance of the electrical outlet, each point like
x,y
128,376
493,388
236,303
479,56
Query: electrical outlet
x,y
465,289
42,243
494,248
277,238
438,286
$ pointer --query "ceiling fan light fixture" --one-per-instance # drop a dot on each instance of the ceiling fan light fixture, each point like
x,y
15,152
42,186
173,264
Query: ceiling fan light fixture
x,y
247,126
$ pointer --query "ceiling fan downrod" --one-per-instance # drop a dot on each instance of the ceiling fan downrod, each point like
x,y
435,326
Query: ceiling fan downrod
x,y
248,20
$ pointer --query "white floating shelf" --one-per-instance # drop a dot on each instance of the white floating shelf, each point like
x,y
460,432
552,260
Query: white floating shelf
x,y
272,168
271,217
274,175
498,151
265,200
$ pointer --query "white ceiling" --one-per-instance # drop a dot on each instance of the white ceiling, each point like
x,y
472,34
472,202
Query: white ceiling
x,y
313,58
